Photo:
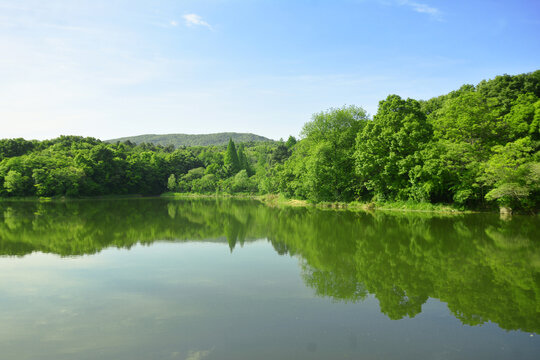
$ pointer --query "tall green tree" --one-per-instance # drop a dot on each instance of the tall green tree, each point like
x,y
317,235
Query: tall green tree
x,y
243,160
389,147
322,166
231,162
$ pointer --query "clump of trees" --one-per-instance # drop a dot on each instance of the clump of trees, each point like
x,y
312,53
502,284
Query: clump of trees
x,y
321,167
477,146
76,166
474,147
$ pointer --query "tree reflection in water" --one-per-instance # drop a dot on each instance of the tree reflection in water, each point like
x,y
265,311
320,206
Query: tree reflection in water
x,y
485,268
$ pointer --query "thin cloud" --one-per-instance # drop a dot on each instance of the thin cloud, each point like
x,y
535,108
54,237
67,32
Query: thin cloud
x,y
423,9
196,20
173,23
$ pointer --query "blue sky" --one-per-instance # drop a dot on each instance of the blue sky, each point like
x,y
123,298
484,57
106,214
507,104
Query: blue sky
x,y
117,68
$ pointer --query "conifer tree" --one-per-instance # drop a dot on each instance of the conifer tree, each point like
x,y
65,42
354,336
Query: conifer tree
x,y
232,165
243,161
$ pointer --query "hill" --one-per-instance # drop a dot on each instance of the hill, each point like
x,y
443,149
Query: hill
x,y
193,140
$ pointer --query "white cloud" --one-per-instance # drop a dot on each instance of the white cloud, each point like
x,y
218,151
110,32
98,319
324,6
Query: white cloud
x,y
196,20
423,9
174,23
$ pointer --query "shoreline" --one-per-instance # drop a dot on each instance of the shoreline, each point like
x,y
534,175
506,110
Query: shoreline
x,y
275,200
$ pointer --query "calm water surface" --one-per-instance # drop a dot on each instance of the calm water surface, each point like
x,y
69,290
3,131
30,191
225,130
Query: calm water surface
x,y
192,279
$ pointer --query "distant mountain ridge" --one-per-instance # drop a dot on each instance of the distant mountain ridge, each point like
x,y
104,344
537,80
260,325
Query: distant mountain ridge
x,y
192,139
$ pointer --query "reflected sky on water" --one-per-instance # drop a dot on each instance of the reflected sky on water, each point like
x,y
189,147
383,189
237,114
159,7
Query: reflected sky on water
x,y
192,279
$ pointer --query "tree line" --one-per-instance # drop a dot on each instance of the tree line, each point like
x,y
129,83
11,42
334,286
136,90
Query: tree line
x,y
477,146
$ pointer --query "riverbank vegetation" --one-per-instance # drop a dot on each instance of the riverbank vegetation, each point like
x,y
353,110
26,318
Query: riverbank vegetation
x,y
476,147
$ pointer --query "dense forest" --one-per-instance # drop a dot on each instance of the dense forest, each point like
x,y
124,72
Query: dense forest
x,y
476,147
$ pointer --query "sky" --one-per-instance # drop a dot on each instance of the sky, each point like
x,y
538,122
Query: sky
x,y
114,68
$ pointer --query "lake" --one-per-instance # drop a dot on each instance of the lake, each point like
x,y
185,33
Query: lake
x,y
236,279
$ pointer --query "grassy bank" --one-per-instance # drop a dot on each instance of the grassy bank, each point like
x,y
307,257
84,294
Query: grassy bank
x,y
279,200
69,198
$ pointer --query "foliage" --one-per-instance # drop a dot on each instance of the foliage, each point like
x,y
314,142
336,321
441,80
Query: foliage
x,y
243,162
171,183
291,141
16,147
231,161
475,147
281,153
14,182
322,165
389,148
514,172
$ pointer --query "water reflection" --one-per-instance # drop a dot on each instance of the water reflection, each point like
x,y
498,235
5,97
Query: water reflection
x,y
484,268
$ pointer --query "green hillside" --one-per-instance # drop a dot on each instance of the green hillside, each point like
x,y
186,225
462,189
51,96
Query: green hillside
x,y
192,140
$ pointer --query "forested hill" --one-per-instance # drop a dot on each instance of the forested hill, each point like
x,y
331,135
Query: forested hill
x,y
192,140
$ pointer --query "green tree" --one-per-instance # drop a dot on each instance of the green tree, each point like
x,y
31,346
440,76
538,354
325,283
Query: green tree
x,y
291,141
514,173
206,184
243,160
14,182
16,147
467,118
522,119
280,154
389,147
241,182
193,174
171,183
231,162
322,166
